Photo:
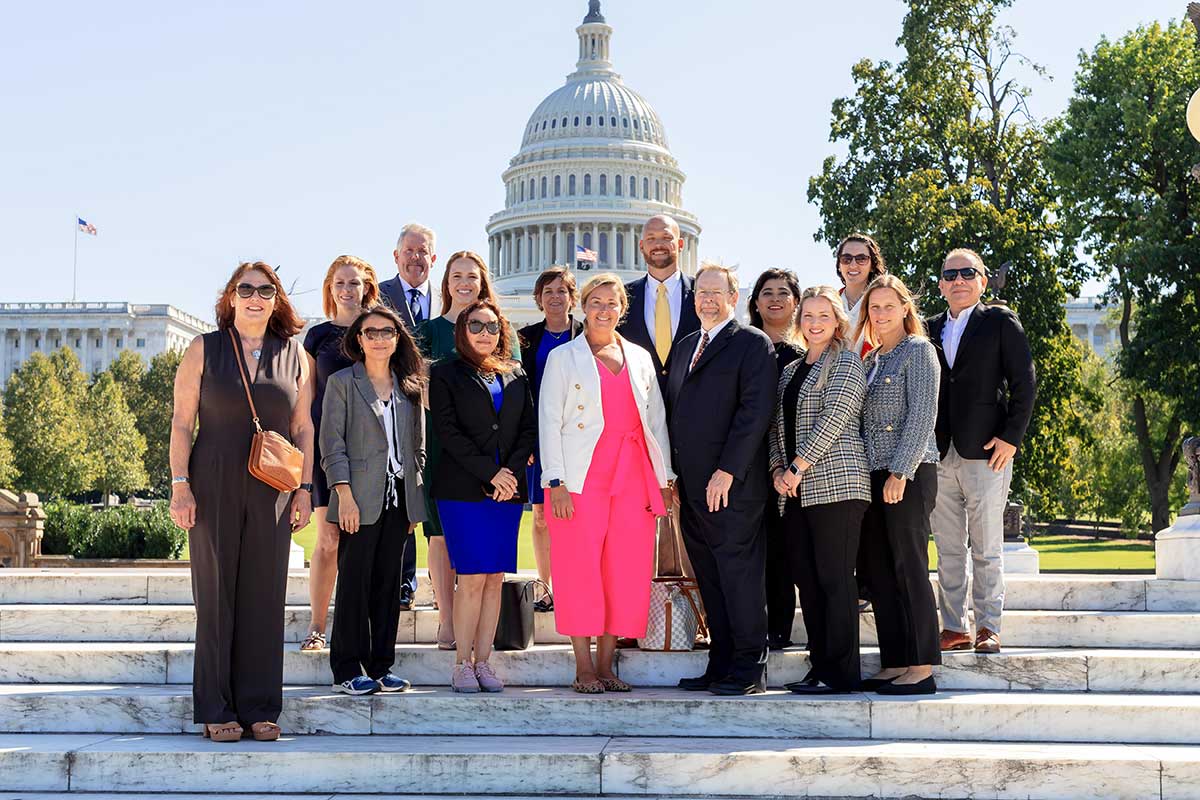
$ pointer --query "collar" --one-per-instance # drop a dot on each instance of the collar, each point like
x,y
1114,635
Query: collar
x,y
962,318
423,288
712,332
672,283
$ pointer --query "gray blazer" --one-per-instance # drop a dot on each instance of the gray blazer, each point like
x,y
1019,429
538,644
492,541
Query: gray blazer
x,y
354,447
901,407
827,431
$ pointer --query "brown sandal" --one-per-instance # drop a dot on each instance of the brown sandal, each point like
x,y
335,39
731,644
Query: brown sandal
x,y
265,731
314,641
588,687
223,732
615,685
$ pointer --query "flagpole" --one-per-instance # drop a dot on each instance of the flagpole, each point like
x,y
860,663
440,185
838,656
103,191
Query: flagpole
x,y
75,261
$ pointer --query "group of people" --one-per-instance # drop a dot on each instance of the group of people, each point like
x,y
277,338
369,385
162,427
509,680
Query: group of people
x,y
810,451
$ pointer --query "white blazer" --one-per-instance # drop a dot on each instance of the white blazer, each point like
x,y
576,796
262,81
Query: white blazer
x,y
571,416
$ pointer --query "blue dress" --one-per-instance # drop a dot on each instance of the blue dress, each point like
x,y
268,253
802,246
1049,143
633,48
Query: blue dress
x,y
533,474
481,537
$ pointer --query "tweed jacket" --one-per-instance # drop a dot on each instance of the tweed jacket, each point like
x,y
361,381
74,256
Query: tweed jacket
x,y
901,407
827,431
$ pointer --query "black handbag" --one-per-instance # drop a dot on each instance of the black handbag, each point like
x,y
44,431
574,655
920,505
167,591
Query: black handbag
x,y
514,631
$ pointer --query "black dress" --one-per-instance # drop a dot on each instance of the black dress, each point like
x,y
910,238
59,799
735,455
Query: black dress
x,y
324,344
781,590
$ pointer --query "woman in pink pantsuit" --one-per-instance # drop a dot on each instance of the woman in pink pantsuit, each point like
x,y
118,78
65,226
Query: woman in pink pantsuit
x,y
603,438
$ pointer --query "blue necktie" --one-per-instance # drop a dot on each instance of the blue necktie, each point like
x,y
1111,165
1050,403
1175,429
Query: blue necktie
x,y
414,305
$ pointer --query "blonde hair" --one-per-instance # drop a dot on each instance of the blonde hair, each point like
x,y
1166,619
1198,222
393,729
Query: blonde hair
x,y
604,279
840,333
713,266
967,253
370,284
913,325
416,227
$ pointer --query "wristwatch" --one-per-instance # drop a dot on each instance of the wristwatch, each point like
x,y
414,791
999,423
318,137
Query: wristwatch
x,y
306,487
555,483
793,468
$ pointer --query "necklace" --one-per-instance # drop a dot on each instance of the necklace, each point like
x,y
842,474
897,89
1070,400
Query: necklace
x,y
488,377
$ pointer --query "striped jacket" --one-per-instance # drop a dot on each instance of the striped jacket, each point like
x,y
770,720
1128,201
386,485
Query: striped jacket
x,y
827,432
901,407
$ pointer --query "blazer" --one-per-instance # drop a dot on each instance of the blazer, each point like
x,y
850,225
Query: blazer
x,y
571,415
354,446
531,339
827,431
633,327
471,433
990,391
901,407
719,412
391,294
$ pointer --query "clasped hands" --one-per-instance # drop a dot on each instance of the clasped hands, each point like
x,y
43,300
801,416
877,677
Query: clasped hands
x,y
504,485
786,481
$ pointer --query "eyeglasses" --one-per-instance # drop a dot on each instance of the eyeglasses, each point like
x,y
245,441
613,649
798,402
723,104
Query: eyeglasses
x,y
476,327
862,259
247,290
375,334
966,273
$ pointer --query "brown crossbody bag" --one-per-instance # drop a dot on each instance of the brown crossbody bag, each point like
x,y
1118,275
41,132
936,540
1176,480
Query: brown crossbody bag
x,y
273,459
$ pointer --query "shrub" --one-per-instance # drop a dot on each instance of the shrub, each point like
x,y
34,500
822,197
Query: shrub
x,y
121,532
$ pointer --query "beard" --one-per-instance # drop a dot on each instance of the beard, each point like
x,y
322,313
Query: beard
x,y
662,261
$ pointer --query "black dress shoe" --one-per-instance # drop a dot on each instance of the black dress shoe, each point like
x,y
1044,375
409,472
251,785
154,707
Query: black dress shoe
x,y
816,687
698,684
779,642
736,687
406,597
871,684
927,686
807,680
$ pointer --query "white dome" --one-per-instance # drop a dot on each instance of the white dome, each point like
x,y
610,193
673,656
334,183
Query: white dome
x,y
599,107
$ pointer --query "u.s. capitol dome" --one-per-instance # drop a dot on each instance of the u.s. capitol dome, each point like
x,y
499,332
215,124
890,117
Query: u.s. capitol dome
x,y
594,165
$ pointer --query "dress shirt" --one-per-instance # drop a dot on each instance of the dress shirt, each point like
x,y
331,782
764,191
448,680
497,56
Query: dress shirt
x,y
952,333
422,296
674,286
712,334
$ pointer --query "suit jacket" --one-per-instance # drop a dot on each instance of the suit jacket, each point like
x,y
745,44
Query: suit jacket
x,y
530,338
471,433
719,411
571,413
634,328
827,436
354,446
991,389
391,294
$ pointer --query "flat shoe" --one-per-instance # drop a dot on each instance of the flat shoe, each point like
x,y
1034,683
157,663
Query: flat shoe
x,y
223,732
588,687
615,685
926,686
871,684
265,731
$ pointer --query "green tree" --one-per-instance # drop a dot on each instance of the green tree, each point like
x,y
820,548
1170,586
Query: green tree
x,y
8,469
153,405
49,439
114,439
127,370
1123,159
942,152
70,375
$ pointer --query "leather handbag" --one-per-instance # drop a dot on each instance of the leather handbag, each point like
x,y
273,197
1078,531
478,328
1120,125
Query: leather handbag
x,y
515,628
273,459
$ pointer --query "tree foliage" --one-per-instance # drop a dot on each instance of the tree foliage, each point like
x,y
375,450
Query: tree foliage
x,y
153,405
113,439
1122,157
942,152
8,468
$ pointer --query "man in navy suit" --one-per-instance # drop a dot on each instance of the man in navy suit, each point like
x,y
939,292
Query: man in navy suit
x,y
409,293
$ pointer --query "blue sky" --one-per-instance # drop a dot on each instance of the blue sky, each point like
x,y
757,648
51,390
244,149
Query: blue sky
x,y
195,136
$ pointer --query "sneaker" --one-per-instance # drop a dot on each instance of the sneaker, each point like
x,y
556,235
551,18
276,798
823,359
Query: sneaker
x,y
359,684
487,678
463,679
391,683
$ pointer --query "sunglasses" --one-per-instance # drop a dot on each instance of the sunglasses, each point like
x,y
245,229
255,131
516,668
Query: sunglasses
x,y
247,290
966,273
477,327
375,334
862,259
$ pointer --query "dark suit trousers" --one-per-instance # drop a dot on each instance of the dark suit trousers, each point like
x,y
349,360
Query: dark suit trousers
x,y
822,549
408,575
728,552
896,556
366,612
781,589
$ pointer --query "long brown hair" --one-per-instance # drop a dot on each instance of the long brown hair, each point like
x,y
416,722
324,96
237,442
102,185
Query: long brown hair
x,y
878,265
284,322
370,284
500,359
406,362
793,284
485,280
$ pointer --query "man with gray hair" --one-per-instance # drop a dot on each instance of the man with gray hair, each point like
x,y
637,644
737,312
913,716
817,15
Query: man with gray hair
x,y
410,292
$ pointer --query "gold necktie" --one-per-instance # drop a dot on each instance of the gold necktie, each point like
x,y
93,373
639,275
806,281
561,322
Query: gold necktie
x,y
662,324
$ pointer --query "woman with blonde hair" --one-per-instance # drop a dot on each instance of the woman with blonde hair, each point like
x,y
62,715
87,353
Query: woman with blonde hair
x,y
819,470
350,287
898,431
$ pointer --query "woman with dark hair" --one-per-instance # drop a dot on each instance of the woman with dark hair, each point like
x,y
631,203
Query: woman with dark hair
x,y
773,308
465,281
373,440
350,286
483,414
555,294
858,261
239,528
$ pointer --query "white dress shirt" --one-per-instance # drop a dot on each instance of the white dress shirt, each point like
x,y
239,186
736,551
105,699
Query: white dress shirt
x,y
674,286
422,296
712,334
952,333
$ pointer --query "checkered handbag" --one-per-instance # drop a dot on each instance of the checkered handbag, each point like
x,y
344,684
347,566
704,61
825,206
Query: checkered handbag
x,y
674,615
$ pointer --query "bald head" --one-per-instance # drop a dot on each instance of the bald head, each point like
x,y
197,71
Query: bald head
x,y
660,245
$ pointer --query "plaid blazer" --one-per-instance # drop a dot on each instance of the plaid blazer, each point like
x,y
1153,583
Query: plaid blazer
x,y
827,434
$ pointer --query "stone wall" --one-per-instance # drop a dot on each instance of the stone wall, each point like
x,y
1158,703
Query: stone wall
x,y
21,522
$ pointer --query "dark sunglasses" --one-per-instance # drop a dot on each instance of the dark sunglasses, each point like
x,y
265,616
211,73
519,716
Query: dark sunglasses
x,y
861,259
966,273
476,327
246,290
375,334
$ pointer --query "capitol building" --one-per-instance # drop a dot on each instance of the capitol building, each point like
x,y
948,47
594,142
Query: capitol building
x,y
593,166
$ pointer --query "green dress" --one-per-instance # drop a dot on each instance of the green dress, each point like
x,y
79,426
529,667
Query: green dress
x,y
435,337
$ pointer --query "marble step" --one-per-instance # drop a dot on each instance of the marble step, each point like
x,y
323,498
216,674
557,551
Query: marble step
x,y
176,623
1044,669
1075,592
948,716
595,765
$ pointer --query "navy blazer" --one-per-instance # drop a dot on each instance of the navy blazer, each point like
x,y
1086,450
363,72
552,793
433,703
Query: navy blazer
x,y
530,338
633,327
391,294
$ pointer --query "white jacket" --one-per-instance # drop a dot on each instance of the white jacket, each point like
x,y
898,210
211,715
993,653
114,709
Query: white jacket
x,y
571,416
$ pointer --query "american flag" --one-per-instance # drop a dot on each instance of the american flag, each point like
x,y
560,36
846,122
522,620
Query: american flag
x,y
86,227
583,254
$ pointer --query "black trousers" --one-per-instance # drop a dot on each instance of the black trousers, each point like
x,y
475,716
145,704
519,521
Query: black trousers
x,y
728,554
822,550
408,575
781,589
366,612
896,556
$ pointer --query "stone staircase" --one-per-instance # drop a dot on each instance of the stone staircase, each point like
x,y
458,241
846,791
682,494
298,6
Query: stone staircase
x,y
1096,695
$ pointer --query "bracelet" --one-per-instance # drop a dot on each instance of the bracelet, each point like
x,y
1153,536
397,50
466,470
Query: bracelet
x,y
180,479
